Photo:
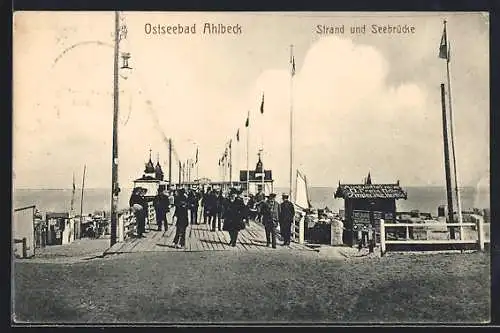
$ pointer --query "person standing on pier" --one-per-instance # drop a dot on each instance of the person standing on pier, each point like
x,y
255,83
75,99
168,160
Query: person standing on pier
x,y
181,214
221,208
162,207
270,219
139,205
204,197
211,208
193,206
233,219
287,213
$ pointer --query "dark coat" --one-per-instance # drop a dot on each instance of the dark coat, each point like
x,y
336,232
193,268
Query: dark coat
x,y
270,213
233,218
211,203
161,203
287,212
181,211
193,201
140,200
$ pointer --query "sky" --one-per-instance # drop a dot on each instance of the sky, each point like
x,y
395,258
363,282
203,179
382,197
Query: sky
x,y
361,102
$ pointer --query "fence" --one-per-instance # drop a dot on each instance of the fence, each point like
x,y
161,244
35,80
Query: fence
x,y
478,227
127,226
23,232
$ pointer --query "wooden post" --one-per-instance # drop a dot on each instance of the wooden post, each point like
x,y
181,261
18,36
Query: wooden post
x,y
114,169
480,233
382,237
407,233
25,249
301,230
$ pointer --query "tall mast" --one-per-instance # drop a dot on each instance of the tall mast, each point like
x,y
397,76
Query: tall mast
x,y
248,148
83,188
446,157
292,73
457,191
114,170
170,161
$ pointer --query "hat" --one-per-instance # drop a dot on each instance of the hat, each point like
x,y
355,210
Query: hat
x,y
272,195
285,195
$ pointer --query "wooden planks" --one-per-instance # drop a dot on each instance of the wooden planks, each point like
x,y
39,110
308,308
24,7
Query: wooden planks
x,y
199,237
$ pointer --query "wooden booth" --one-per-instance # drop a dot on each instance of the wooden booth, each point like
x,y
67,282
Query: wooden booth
x,y
259,180
365,204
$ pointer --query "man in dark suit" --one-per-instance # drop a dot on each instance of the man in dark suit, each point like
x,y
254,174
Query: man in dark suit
x,y
270,219
287,213
162,207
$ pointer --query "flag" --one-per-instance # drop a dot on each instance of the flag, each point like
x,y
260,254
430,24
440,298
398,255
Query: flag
x,y
247,122
230,142
219,161
238,135
196,154
262,104
443,46
292,62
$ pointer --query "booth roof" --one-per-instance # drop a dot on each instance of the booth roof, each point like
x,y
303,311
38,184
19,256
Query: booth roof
x,y
370,191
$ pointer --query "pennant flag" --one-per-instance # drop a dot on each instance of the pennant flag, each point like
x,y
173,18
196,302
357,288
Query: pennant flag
x,y
230,142
196,154
219,161
238,135
292,62
443,46
247,122
262,104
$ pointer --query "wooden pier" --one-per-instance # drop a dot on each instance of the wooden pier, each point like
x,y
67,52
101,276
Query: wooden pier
x,y
200,238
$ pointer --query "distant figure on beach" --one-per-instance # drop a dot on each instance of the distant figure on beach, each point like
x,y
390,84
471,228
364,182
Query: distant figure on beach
x,y
270,218
193,202
181,214
139,205
287,213
233,219
162,206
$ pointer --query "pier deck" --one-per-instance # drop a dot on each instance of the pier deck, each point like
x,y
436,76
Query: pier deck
x,y
200,238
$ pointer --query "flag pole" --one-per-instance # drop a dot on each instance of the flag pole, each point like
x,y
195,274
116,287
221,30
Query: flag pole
x,y
248,147
457,191
291,121
231,163
72,209
114,170
81,199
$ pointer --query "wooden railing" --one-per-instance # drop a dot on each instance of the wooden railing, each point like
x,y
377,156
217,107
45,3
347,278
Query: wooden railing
x,y
127,225
478,226
298,227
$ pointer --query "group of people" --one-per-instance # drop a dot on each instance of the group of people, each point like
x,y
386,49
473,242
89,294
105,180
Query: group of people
x,y
227,211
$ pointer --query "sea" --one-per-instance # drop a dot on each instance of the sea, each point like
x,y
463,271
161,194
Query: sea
x,y
424,198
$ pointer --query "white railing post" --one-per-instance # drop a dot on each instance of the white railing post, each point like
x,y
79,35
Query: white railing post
x,y
121,227
301,230
407,233
382,237
480,233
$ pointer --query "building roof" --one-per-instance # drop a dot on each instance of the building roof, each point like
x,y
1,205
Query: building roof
x,y
53,215
253,176
370,191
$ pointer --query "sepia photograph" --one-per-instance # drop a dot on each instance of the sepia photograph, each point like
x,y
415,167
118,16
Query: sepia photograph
x,y
250,168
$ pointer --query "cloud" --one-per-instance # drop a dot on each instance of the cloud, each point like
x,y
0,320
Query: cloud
x,y
349,117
